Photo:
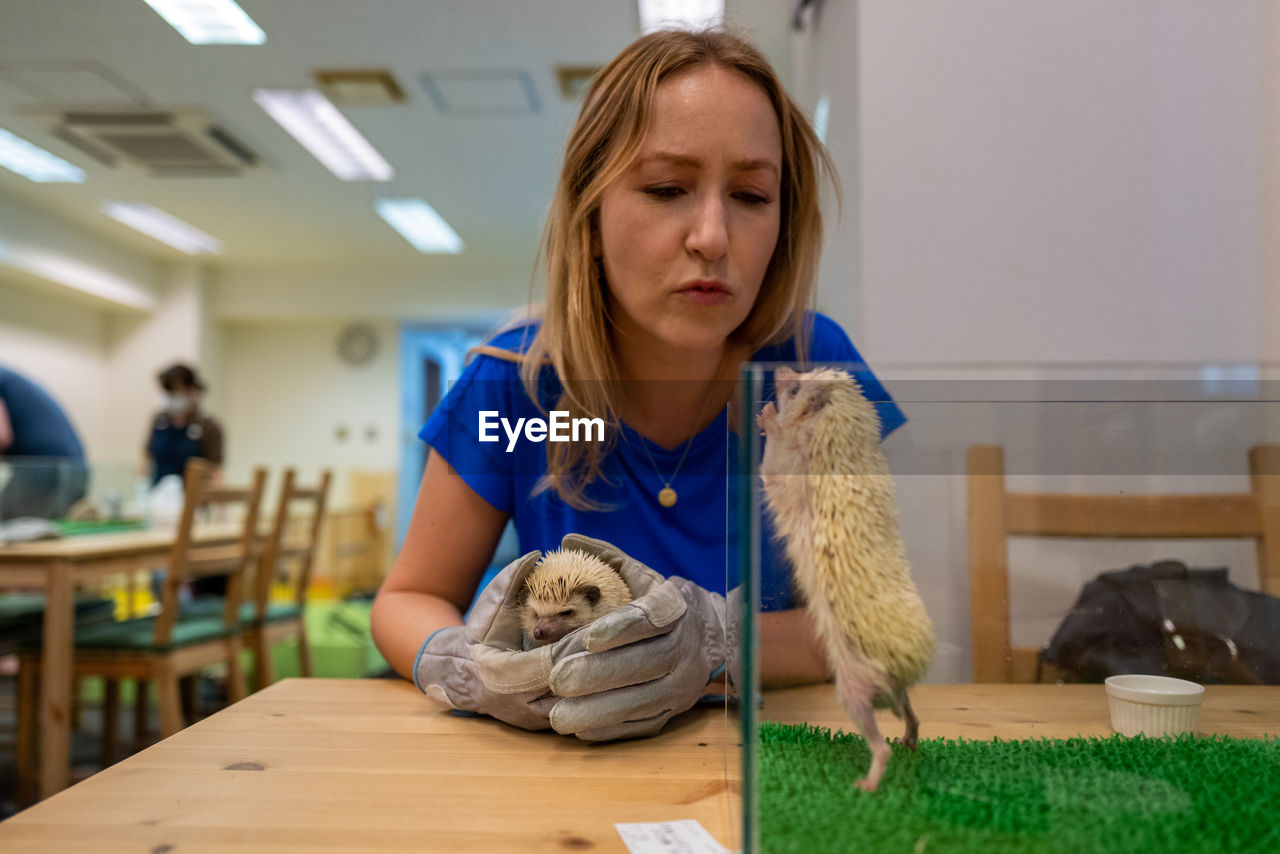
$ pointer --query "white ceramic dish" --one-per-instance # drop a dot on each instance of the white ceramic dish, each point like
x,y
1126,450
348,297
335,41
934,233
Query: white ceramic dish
x,y
1153,705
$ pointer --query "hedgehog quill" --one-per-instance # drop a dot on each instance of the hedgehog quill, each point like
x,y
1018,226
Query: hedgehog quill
x,y
565,591
828,488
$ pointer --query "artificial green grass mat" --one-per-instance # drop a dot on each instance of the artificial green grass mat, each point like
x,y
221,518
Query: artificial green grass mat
x,y
1074,796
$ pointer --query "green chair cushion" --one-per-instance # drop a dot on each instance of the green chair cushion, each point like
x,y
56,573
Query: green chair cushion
x,y
140,634
212,606
22,617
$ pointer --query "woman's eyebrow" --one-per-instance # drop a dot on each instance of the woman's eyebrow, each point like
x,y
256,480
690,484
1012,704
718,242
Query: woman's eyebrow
x,y
686,160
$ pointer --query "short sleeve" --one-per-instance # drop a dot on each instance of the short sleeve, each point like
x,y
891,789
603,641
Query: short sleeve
x,y
487,385
831,344
211,441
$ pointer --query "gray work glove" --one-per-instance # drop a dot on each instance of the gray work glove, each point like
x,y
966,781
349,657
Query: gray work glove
x,y
641,664
481,666
623,676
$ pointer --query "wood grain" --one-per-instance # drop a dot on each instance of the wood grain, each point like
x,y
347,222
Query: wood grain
x,y
372,765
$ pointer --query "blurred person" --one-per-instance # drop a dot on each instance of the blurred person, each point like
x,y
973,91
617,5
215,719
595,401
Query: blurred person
x,y
180,432
47,463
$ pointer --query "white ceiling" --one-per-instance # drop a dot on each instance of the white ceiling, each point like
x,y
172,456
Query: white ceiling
x,y
490,176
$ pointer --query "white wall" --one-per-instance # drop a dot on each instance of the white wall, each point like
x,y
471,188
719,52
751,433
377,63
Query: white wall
x,y
140,347
1061,181
62,348
287,396
71,263
1270,182
98,352
1046,181
322,295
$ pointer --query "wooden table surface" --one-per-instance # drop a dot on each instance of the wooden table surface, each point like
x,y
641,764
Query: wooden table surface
x,y
371,765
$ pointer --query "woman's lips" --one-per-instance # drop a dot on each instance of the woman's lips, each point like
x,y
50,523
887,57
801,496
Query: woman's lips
x,y
705,292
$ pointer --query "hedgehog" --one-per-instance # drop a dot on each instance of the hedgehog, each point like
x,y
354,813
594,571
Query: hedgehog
x,y
566,590
829,492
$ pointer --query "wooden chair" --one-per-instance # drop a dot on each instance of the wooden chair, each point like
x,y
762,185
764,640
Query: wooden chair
x,y
996,514
164,648
264,623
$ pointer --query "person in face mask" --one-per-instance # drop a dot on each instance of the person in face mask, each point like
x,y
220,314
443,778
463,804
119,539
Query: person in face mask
x,y
181,430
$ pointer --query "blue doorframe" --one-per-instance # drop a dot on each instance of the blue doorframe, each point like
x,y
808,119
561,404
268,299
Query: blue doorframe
x,y
420,343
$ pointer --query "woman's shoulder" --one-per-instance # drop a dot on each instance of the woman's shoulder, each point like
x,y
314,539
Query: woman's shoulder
x,y
513,339
828,342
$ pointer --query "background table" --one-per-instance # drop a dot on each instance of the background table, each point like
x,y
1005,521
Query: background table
x,y
57,567
371,765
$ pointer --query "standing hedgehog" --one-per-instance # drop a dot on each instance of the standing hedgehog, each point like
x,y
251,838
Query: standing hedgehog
x,y
567,590
828,487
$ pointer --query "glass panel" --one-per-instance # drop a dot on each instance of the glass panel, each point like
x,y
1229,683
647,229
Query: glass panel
x,y
1062,525
69,491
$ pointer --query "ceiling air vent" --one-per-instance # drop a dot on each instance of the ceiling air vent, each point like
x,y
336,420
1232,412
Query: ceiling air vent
x,y
162,143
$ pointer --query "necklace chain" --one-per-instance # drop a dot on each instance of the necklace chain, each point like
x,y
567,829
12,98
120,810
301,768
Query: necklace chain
x,y
667,494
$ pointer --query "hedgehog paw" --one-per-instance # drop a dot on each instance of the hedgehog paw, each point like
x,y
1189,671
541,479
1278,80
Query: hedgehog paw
x,y
866,784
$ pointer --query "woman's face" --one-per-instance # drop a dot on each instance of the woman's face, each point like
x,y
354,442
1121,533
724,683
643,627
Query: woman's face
x,y
688,230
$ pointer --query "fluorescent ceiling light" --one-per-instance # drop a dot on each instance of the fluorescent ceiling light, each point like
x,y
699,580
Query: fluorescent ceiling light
x,y
309,117
419,224
163,227
76,275
680,14
209,21
31,161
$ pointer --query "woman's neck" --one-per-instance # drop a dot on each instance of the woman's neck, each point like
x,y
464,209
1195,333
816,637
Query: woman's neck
x,y
669,397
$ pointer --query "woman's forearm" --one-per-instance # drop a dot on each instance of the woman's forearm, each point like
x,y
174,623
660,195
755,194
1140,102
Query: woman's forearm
x,y
403,619
790,653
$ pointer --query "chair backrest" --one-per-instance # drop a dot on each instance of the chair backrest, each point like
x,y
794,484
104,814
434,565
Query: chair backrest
x,y
230,556
281,548
996,514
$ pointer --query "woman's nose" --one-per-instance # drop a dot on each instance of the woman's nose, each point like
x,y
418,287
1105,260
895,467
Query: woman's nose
x,y
709,232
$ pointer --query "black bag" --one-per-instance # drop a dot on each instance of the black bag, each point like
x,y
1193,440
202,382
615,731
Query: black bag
x,y
1168,620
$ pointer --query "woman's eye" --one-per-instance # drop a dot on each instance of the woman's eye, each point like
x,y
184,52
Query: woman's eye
x,y
751,199
664,192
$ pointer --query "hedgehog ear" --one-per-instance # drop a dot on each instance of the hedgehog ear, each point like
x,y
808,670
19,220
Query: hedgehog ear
x,y
820,397
522,598
589,592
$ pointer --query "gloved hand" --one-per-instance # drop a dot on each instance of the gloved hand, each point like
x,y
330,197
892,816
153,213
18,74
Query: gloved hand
x,y
626,674
481,666
623,676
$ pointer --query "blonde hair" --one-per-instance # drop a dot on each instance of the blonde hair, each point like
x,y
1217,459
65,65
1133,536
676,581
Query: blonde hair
x,y
574,336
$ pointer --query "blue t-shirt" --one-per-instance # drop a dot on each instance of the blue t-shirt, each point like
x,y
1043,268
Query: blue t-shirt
x,y
40,427
695,539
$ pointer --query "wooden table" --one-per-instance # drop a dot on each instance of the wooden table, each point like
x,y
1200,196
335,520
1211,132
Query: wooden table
x,y
57,567
371,765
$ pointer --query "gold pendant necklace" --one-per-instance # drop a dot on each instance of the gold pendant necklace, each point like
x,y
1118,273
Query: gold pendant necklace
x,y
667,496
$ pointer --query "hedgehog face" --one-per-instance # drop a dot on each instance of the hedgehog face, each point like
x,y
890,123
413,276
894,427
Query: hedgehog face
x,y
548,620
803,396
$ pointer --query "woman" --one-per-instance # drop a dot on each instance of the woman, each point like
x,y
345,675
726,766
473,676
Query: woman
x,y
683,240
182,430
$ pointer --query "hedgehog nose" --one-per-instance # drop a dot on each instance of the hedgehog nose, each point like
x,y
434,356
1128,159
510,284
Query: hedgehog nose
x,y
539,633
